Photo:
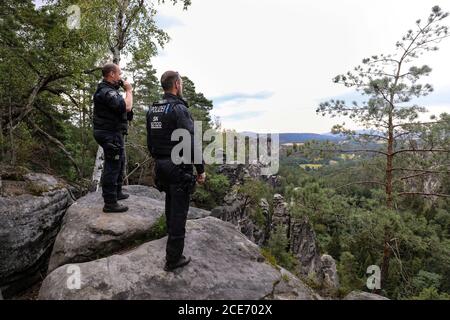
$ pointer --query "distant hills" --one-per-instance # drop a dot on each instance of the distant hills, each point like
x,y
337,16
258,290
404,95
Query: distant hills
x,y
299,137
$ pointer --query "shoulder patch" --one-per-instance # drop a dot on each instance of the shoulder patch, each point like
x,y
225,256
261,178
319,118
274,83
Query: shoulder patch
x,y
112,94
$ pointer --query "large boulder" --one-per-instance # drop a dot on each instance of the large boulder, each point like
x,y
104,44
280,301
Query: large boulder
x,y
89,234
361,295
30,219
225,265
144,191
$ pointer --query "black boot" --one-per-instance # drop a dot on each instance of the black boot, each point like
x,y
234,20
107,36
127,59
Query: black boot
x,y
114,207
180,263
122,196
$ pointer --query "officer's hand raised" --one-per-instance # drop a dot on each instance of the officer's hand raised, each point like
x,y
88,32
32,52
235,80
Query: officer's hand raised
x,y
127,86
201,178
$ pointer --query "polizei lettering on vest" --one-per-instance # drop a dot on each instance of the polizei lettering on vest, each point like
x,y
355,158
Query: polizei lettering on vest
x,y
158,109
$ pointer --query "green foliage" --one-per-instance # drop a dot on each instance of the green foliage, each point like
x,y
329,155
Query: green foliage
x,y
255,190
350,276
348,224
277,245
199,106
269,257
431,294
53,72
159,229
211,194
424,280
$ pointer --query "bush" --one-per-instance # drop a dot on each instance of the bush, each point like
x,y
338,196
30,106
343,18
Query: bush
x,y
277,246
431,294
211,194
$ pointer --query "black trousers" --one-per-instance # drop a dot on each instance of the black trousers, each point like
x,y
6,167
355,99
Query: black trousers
x,y
114,151
178,182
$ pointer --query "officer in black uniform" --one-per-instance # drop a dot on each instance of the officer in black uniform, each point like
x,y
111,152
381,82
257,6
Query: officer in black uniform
x,y
111,115
177,181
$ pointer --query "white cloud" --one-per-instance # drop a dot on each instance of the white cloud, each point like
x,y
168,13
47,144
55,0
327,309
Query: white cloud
x,y
289,48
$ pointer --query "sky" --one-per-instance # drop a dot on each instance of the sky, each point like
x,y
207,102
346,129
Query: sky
x,y
267,64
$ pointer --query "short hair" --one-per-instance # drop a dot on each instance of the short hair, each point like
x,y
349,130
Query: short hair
x,y
108,68
168,80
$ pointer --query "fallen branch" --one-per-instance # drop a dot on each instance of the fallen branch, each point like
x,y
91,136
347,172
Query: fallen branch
x,y
56,142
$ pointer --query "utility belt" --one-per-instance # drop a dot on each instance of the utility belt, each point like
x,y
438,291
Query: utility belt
x,y
111,125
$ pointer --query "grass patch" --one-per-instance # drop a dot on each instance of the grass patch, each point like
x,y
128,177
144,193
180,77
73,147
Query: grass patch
x,y
269,257
159,229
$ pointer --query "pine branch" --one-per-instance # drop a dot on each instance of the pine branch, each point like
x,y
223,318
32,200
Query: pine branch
x,y
420,150
360,182
412,176
351,151
425,194
419,170
418,123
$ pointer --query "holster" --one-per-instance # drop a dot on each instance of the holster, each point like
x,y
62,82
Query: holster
x,y
189,183
112,151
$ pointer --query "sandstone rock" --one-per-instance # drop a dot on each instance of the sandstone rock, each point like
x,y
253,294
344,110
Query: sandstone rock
x,y
360,295
265,208
281,216
237,173
303,244
88,233
225,265
330,275
28,227
236,211
149,192
274,181
144,191
42,181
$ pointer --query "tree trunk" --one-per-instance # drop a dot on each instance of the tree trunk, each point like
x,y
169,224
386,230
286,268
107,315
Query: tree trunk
x,y
11,138
389,200
98,169
83,134
2,142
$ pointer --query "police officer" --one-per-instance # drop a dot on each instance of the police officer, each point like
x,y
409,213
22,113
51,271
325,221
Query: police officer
x,y
111,115
177,181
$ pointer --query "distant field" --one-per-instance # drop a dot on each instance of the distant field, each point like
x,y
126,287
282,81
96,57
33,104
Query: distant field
x,y
311,166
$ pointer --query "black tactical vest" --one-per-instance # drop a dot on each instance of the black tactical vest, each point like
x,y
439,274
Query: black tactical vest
x,y
161,122
104,117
